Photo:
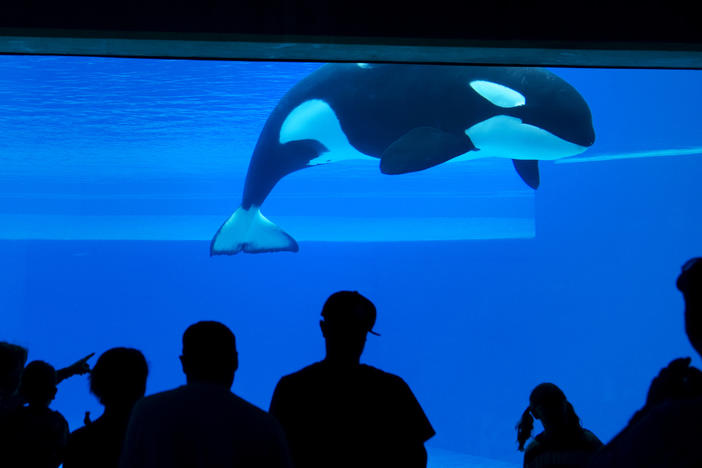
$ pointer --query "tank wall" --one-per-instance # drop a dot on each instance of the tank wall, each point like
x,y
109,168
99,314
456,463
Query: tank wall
x,y
587,302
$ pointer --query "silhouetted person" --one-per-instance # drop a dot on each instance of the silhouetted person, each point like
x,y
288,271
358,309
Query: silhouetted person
x,y
37,435
203,424
677,381
341,413
118,380
12,361
564,443
667,431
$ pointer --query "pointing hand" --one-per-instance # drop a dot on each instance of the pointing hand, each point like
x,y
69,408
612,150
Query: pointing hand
x,y
81,366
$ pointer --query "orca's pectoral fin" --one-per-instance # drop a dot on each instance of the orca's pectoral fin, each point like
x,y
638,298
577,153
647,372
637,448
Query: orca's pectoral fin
x,y
528,170
422,148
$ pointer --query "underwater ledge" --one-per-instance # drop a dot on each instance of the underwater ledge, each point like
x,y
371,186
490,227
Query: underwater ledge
x,y
303,228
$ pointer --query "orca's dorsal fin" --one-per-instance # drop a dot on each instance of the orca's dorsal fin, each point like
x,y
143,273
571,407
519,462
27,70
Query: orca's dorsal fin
x,y
528,170
422,148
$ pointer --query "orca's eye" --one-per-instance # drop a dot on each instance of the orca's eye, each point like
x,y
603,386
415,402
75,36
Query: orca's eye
x,y
498,94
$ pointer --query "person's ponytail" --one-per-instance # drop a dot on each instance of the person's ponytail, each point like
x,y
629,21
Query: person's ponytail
x,y
524,428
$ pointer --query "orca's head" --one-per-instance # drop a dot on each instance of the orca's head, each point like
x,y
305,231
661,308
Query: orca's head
x,y
534,115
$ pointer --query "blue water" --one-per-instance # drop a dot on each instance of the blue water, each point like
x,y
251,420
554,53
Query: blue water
x,y
116,172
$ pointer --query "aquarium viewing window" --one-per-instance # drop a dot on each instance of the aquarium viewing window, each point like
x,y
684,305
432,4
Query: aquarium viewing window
x,y
508,232
160,160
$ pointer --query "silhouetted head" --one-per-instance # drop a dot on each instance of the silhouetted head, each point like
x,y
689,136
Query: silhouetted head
x,y
548,404
209,353
347,319
690,284
119,377
12,360
38,384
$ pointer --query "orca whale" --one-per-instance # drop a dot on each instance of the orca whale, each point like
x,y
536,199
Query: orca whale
x,y
410,117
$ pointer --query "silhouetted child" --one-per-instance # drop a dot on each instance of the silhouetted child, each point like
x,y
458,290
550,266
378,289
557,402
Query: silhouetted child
x,y
38,435
118,380
341,413
564,442
12,361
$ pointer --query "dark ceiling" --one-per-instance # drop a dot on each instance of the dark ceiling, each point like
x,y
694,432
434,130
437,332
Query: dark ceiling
x,y
598,33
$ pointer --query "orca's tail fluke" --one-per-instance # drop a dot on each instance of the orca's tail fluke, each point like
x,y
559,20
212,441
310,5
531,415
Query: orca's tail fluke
x,y
250,231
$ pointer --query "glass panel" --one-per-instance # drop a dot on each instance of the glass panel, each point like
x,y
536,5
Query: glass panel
x,y
117,173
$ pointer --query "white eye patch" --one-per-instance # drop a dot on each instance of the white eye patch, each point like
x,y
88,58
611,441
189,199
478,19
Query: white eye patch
x,y
498,94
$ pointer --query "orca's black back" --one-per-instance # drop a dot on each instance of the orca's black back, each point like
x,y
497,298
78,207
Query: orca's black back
x,y
377,104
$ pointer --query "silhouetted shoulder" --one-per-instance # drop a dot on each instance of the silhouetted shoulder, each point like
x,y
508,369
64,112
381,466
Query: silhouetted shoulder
x,y
591,440
374,372
173,428
193,393
81,440
207,406
667,435
37,436
321,370
370,396
10,404
99,442
49,420
83,435
327,381
566,449
531,447
309,372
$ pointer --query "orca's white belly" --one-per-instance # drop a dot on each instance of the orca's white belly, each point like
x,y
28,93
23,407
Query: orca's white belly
x,y
503,136
316,120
